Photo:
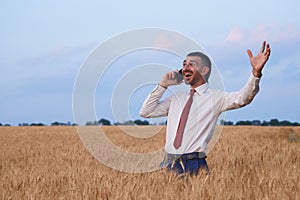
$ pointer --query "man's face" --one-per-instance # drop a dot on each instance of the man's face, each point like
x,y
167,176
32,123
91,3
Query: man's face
x,y
191,70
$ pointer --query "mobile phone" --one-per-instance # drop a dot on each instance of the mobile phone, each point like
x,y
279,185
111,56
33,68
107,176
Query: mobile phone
x,y
178,76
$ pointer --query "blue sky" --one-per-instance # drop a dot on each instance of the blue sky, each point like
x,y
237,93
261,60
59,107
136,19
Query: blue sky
x,y
44,43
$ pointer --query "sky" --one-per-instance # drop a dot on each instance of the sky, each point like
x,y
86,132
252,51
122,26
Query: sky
x,y
45,43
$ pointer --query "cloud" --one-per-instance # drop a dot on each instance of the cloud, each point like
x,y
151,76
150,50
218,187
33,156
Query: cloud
x,y
284,40
283,67
273,32
45,68
235,35
42,84
162,42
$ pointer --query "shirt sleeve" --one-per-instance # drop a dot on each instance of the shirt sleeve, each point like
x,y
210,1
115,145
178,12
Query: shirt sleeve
x,y
238,99
153,107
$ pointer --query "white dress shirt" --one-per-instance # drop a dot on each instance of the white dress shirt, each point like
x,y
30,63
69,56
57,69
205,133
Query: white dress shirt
x,y
207,105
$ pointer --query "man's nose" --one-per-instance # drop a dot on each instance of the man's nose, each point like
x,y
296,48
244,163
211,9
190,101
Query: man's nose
x,y
186,66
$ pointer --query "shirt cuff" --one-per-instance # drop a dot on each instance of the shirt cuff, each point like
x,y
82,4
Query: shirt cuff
x,y
162,87
253,80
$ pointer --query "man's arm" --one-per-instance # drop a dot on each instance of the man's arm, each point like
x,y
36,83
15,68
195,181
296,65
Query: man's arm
x,y
152,107
238,99
233,100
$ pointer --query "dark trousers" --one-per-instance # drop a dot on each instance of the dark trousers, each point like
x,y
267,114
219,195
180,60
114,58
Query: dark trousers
x,y
191,166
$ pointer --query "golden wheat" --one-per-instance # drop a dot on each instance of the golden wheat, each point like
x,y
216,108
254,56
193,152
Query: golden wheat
x,y
52,163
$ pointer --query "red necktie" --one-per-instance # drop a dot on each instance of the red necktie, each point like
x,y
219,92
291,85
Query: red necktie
x,y
183,119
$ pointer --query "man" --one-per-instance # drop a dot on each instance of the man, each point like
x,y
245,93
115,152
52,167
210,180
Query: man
x,y
192,115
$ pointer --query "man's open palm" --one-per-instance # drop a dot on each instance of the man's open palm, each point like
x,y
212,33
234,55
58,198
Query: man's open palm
x,y
258,62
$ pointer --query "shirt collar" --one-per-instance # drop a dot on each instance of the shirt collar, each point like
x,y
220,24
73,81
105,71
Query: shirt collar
x,y
202,88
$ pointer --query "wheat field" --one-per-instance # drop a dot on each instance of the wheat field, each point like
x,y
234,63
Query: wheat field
x,y
52,163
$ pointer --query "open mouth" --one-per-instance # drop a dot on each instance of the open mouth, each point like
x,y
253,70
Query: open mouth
x,y
188,74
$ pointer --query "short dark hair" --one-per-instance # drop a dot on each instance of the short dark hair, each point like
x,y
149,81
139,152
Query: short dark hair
x,y
205,61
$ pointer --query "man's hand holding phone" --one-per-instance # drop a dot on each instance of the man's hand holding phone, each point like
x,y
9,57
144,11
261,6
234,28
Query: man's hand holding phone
x,y
171,78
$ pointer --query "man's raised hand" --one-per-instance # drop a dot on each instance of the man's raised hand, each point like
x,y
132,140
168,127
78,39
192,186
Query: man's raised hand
x,y
258,62
169,79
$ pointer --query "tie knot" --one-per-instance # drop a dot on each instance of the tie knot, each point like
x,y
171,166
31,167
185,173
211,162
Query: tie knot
x,y
192,91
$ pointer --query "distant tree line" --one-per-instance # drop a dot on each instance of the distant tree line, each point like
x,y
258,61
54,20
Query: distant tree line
x,y
137,122
272,122
105,122
42,124
4,124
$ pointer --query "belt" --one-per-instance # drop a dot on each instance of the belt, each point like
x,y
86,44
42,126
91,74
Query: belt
x,y
181,158
186,156
172,158
192,156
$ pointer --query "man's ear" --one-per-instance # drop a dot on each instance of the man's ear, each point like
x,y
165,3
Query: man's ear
x,y
204,70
